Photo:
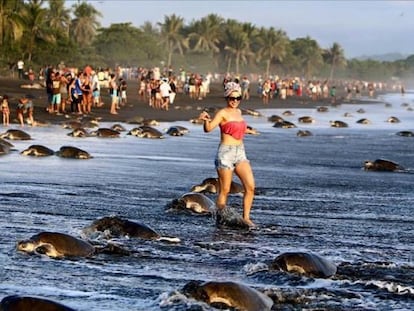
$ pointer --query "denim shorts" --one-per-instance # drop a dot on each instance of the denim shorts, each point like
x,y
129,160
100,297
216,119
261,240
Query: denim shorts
x,y
228,156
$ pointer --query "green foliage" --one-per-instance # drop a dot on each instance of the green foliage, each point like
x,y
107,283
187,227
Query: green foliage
x,y
410,62
309,55
47,32
172,37
85,24
120,44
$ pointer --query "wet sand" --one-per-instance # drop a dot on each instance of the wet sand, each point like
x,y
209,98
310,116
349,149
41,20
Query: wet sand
x,y
183,109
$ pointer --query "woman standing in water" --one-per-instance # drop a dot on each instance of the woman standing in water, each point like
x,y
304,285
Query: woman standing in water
x,y
231,156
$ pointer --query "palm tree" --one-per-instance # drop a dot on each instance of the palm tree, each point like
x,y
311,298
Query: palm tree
x,y
85,24
36,29
252,33
336,58
272,46
59,17
11,28
172,36
150,39
308,53
237,44
206,34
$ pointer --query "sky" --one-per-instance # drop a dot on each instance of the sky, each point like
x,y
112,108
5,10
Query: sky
x,y
360,27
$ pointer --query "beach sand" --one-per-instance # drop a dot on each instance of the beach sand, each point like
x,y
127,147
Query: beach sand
x,y
183,109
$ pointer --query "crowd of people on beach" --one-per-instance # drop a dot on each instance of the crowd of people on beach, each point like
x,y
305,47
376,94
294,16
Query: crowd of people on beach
x,y
283,88
79,91
161,87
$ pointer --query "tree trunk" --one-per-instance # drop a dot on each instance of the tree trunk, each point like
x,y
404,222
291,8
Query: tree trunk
x,y
1,28
170,52
331,73
216,63
169,58
229,65
267,68
237,64
332,69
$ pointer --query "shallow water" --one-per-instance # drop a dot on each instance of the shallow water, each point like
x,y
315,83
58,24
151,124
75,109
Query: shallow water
x,y
314,197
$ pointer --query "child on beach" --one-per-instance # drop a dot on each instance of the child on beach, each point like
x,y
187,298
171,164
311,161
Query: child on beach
x,y
123,92
5,110
31,76
142,90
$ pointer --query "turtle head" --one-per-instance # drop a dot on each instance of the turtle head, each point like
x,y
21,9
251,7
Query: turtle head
x,y
27,246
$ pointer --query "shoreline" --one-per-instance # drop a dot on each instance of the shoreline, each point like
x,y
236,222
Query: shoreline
x,y
183,109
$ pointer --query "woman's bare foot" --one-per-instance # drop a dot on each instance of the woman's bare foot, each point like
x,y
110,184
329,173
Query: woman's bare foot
x,y
250,223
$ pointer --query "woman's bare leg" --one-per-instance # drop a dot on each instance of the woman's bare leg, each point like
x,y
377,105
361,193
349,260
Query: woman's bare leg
x,y
225,176
244,172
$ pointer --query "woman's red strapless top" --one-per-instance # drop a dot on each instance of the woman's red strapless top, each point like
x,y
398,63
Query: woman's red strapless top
x,y
237,129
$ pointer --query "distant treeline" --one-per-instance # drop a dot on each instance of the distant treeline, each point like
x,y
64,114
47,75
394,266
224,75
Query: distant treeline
x,y
43,32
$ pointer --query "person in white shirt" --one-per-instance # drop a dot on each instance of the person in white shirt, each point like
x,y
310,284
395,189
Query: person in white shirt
x,y
165,90
20,68
96,90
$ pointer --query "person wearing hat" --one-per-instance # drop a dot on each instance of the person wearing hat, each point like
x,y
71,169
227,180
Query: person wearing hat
x,y
25,105
231,155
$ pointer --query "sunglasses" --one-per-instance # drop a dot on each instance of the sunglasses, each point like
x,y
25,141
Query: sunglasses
x,y
234,98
